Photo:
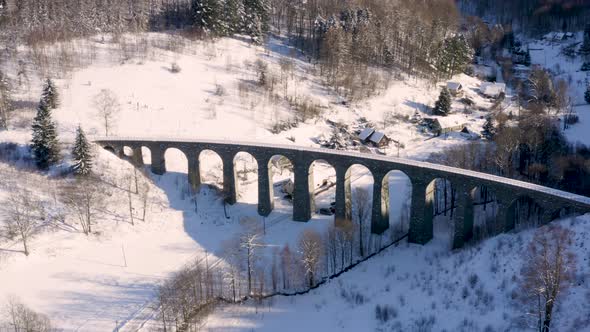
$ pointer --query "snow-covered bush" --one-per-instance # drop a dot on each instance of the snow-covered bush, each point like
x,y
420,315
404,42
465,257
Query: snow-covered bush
x,y
383,313
175,68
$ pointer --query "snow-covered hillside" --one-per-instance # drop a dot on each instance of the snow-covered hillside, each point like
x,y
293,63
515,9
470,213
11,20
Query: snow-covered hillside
x,y
104,281
423,288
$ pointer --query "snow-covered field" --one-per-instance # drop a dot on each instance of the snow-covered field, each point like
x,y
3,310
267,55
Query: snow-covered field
x,y
426,288
101,282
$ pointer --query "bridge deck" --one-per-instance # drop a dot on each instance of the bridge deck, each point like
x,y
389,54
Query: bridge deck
x,y
407,162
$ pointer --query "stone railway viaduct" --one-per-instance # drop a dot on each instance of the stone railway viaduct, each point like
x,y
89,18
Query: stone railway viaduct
x,y
554,203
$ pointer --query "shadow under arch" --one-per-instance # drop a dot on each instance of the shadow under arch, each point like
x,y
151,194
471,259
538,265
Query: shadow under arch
x,y
523,213
211,169
110,149
358,202
146,155
439,212
396,202
485,209
281,190
246,177
322,178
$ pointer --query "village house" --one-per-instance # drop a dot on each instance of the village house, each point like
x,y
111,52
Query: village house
x,y
372,137
455,88
492,89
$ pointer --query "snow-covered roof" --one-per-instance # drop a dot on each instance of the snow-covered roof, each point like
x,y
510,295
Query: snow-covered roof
x,y
377,137
447,122
366,133
492,89
454,86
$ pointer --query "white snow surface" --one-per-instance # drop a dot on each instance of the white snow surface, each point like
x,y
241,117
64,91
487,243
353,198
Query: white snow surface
x,y
429,289
106,280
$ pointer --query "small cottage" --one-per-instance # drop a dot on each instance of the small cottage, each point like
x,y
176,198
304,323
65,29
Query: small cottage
x,y
372,137
365,134
492,89
454,87
379,139
440,126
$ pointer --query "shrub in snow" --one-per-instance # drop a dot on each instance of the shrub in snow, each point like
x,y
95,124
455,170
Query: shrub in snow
x,y
587,94
585,66
424,323
220,90
385,312
353,296
175,68
571,119
473,279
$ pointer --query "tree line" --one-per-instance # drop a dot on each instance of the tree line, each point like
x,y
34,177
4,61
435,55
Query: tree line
x,y
249,268
44,21
533,17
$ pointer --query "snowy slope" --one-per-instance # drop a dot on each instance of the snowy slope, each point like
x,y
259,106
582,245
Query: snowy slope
x,y
426,288
100,282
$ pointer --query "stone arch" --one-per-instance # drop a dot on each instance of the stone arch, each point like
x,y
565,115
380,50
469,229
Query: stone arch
x,y
211,166
281,177
127,152
440,210
522,213
146,154
396,201
246,177
485,207
358,183
322,182
176,160
110,149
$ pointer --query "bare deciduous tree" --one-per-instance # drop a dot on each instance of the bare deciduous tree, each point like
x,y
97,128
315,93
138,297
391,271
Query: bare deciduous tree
x,y
310,249
362,206
107,105
23,220
6,106
85,197
144,193
233,258
22,318
286,266
250,242
130,181
548,270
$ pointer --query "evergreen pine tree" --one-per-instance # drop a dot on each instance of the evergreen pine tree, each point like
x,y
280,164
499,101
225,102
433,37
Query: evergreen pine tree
x,y
50,94
443,104
587,94
233,15
208,15
489,131
81,154
257,15
45,146
454,56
